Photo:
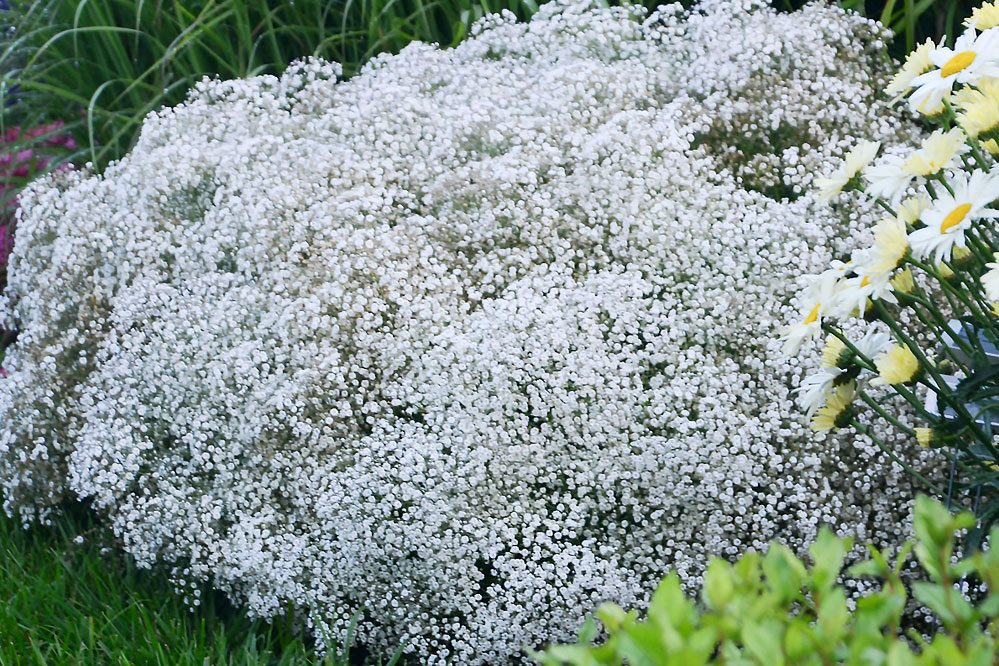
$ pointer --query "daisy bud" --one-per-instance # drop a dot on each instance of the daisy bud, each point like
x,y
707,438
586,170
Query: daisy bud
x,y
984,17
898,365
962,257
903,283
926,437
837,412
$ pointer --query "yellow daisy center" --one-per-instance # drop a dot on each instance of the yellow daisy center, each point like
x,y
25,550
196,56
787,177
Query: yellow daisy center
x,y
954,218
865,281
813,315
957,63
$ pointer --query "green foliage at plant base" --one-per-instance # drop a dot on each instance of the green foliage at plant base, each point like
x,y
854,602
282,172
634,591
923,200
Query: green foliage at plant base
x,y
65,599
773,609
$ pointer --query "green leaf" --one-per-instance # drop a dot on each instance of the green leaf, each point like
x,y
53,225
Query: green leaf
x,y
928,560
640,645
945,651
900,655
878,610
990,607
700,647
828,553
952,608
613,616
867,568
799,641
747,569
669,607
784,572
763,640
718,584
932,522
833,616
589,631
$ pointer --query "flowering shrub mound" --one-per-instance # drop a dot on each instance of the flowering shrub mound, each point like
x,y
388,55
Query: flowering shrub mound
x,y
468,343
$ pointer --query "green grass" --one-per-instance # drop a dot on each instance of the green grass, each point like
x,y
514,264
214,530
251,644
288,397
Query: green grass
x,y
67,603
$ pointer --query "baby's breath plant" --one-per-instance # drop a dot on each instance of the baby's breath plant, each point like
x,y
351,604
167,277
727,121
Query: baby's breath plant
x,y
462,344
910,316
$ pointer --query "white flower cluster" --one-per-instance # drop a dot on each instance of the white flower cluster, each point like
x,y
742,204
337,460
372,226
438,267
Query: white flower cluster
x,y
930,264
468,343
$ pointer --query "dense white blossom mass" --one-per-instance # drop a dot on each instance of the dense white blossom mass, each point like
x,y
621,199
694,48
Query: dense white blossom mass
x,y
468,343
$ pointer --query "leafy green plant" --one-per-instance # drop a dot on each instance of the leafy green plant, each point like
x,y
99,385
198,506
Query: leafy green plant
x,y
775,609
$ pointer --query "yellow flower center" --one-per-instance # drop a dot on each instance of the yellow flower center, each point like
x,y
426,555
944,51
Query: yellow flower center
x,y
954,218
865,281
957,63
813,315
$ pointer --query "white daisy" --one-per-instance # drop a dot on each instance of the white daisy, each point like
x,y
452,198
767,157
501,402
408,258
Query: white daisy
x,y
855,160
887,179
820,297
855,293
950,215
837,361
939,151
972,57
873,343
815,388
990,280
916,63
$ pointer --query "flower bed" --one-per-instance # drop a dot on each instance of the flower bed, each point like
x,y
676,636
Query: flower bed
x,y
468,343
